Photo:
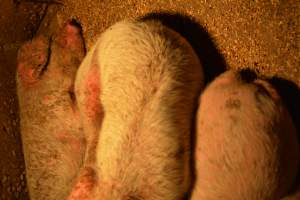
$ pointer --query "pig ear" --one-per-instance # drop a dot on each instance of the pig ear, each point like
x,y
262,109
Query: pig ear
x,y
67,50
85,184
33,58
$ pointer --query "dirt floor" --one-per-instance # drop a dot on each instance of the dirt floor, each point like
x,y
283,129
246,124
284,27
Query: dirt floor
x,y
262,35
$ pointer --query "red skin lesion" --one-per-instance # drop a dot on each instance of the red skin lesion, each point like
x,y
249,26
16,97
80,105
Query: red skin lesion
x,y
93,106
70,39
32,57
85,185
26,75
93,110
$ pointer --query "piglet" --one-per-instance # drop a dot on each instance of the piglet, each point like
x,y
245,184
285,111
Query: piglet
x,y
246,145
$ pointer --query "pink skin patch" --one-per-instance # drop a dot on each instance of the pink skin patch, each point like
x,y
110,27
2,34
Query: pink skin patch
x,y
73,33
75,143
48,100
70,37
93,106
84,186
31,58
26,75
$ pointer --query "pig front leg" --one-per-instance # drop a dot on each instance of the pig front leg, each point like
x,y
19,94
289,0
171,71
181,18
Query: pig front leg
x,y
246,145
52,135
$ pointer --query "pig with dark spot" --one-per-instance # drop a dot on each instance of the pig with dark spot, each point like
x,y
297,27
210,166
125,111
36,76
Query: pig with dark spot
x,y
51,130
246,145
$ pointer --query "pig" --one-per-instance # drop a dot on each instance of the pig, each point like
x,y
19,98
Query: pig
x,y
128,123
51,130
141,80
246,143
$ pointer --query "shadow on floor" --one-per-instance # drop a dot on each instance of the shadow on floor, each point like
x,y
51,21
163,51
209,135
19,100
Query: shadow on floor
x,y
212,61
290,94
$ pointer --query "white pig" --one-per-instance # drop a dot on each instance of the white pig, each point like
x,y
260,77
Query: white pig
x,y
137,90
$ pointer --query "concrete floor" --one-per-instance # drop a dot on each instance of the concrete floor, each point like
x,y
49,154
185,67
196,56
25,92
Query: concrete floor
x,y
262,35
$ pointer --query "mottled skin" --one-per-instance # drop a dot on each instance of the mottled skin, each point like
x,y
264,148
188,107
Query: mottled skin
x,y
246,144
56,124
52,134
147,83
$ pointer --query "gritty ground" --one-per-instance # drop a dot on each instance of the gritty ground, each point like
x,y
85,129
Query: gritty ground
x,y
262,35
